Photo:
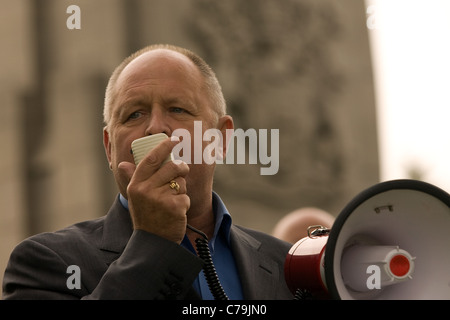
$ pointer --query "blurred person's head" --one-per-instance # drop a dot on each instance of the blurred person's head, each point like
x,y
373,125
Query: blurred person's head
x,y
294,225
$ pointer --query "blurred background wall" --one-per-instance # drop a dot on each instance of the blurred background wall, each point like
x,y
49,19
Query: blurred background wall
x,y
300,66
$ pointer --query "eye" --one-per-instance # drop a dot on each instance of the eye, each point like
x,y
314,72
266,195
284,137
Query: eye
x,y
177,110
135,115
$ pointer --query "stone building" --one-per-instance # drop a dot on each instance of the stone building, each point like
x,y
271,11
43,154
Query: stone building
x,y
300,66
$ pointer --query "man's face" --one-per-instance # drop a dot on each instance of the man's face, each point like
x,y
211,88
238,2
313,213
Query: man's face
x,y
159,91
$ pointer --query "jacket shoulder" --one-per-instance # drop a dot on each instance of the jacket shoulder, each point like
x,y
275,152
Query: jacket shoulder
x,y
87,232
265,237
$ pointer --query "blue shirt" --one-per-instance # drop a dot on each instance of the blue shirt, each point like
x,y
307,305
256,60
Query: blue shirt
x,y
221,254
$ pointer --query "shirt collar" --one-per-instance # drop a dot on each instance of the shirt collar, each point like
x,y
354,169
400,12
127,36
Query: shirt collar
x,y
223,217
123,201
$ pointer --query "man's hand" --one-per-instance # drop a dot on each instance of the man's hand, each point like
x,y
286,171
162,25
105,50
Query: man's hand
x,y
154,206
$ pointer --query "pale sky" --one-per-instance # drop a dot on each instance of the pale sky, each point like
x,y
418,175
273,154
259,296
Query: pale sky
x,y
410,42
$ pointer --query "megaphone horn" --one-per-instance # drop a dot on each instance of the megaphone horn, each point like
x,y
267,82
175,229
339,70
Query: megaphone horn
x,y
390,242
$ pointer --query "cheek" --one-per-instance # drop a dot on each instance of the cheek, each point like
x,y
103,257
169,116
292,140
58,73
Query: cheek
x,y
121,149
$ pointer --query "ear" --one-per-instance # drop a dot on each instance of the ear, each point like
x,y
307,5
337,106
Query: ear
x,y
226,127
107,145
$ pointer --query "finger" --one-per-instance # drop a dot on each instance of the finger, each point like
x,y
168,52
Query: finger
x,y
170,171
178,186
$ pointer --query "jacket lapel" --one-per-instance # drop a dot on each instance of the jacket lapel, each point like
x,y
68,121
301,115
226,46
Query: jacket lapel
x,y
117,230
259,273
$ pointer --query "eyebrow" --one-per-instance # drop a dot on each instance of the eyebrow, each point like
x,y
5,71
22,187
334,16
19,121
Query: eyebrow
x,y
132,102
177,100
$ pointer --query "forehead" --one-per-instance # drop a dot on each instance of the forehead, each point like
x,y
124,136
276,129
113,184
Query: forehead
x,y
160,64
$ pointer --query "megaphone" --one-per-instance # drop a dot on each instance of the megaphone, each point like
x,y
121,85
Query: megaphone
x,y
392,241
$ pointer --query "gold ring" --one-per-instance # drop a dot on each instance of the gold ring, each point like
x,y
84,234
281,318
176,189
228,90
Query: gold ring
x,y
174,185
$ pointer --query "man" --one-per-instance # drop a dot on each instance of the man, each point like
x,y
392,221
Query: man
x,y
142,249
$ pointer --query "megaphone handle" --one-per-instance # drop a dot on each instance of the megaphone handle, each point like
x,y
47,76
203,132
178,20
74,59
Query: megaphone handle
x,y
317,231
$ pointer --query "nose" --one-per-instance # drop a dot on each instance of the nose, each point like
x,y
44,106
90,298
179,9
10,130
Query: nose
x,y
157,123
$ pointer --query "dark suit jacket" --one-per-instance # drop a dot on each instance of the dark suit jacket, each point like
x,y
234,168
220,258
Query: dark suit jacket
x,y
116,262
